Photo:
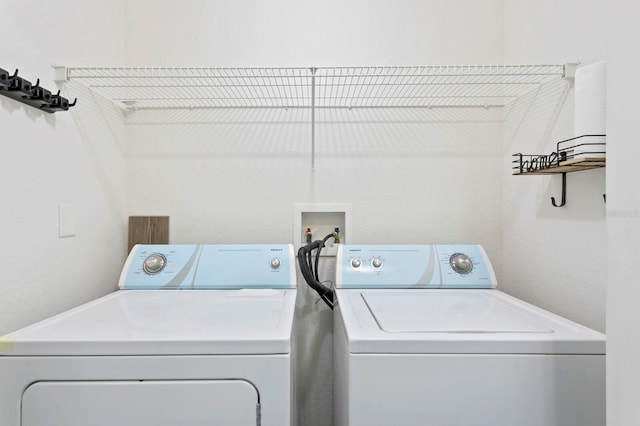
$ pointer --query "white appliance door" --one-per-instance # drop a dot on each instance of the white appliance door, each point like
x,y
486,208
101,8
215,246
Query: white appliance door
x,y
136,403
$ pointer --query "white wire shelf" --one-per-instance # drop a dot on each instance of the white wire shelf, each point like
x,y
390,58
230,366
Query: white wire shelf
x,y
311,88
153,88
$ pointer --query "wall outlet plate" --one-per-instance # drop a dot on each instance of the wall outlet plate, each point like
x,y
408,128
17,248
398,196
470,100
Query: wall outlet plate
x,y
66,220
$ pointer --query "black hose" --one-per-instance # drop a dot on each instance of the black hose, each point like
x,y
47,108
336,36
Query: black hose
x,y
305,259
324,240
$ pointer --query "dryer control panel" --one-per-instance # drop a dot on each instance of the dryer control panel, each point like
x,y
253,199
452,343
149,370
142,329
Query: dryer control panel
x,y
413,266
177,266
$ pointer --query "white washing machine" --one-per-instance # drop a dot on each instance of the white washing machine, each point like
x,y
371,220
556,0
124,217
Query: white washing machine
x,y
423,338
196,335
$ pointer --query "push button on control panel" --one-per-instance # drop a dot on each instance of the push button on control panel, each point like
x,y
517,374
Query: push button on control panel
x,y
154,263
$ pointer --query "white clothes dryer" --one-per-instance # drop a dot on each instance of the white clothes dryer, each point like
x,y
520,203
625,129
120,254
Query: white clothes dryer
x,y
422,337
196,335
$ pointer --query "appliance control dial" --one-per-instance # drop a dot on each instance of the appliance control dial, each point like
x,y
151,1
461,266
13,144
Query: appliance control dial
x,y
154,263
461,263
356,263
376,262
275,263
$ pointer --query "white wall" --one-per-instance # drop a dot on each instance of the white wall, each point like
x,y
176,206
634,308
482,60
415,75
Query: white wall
x,y
234,176
62,158
553,257
623,217
592,31
308,33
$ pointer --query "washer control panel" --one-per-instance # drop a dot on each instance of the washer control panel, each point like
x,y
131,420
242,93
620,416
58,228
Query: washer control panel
x,y
175,266
414,266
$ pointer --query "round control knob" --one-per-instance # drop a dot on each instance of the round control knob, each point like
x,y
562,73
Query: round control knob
x,y
376,263
154,263
461,263
275,263
356,263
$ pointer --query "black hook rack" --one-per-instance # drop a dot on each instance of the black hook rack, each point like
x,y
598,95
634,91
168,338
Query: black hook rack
x,y
564,193
16,87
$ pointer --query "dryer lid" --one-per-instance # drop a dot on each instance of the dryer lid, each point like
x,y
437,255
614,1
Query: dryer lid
x,y
164,322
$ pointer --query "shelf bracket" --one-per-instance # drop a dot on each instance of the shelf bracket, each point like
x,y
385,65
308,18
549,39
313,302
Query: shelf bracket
x,y
61,73
569,70
564,192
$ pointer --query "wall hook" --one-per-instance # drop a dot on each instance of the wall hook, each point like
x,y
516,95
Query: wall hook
x,y
40,94
4,78
564,192
34,95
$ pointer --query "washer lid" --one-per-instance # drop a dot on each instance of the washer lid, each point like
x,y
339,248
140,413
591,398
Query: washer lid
x,y
164,322
448,321
445,312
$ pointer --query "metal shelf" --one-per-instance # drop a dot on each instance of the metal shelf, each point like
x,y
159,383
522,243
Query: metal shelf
x,y
573,165
580,153
177,88
429,86
316,87
571,155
